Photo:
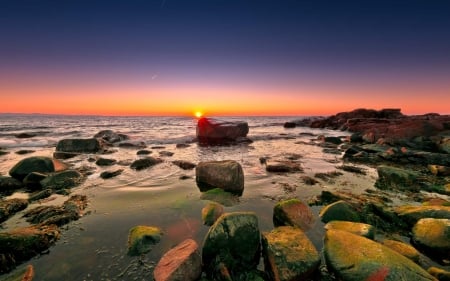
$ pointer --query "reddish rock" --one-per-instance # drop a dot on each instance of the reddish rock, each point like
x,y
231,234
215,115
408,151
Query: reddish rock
x,y
213,131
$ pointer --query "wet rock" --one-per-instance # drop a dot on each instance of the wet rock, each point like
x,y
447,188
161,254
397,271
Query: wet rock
x,y
185,165
182,145
402,248
281,166
328,176
309,180
166,153
439,273
396,178
24,151
38,195
2,152
141,238
133,145
293,212
289,125
111,136
105,162
21,244
353,169
339,211
212,131
25,135
64,155
9,184
211,212
181,263
110,174
62,180
289,254
32,164
145,163
220,196
353,258
361,229
333,140
433,235
411,214
227,175
70,210
33,180
92,145
232,244
10,207
144,152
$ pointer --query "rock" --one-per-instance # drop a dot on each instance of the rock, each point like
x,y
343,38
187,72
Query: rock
x,y
132,145
293,212
64,155
32,164
21,244
10,207
433,235
145,163
289,254
439,273
166,153
353,169
283,167
182,145
439,170
110,174
9,184
411,214
211,212
402,248
93,145
213,131
25,135
2,152
233,244
339,211
62,180
227,175
334,140
353,258
361,229
144,152
444,145
21,274
181,263
141,239
38,195
24,151
105,162
220,196
69,211
396,178
185,165
33,180
309,180
110,136
289,125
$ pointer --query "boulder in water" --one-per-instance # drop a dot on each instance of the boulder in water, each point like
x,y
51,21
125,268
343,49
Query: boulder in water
x,y
227,175
216,132
32,164
141,239
92,145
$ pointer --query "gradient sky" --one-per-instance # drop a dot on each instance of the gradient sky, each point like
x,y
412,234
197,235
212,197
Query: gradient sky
x,y
223,57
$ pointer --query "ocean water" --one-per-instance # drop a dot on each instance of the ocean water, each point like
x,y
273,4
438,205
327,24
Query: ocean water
x,y
94,247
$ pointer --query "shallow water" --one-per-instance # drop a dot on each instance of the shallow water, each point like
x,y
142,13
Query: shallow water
x,y
94,248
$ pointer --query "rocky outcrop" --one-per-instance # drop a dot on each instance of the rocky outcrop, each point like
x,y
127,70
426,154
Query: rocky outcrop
x,y
340,211
141,239
92,145
353,258
215,132
361,229
289,254
183,262
227,175
433,235
32,164
293,212
232,245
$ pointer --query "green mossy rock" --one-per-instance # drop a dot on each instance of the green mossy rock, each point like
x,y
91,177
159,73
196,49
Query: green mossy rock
x,y
62,180
396,178
32,164
220,196
411,214
227,175
361,229
339,211
232,244
355,258
404,249
293,212
141,239
433,235
289,254
211,212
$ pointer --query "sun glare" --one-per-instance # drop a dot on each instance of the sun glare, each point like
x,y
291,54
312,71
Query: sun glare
x,y
198,114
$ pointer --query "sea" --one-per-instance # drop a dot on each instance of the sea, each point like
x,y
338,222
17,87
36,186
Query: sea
x,y
95,246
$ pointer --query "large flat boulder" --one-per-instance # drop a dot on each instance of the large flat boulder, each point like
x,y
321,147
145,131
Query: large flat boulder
x,y
227,175
214,131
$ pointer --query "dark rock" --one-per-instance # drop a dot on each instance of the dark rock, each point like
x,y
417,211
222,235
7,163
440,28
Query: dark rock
x,y
141,239
340,210
183,262
38,195
143,152
110,136
33,180
10,207
433,235
111,174
185,165
281,166
25,135
133,145
9,184
166,153
145,163
213,131
21,244
105,162
396,178
333,140
24,151
289,254
32,164
227,175
289,125
353,169
211,212
293,212
64,155
158,147
62,180
2,152
361,229
92,145
309,180
182,145
220,196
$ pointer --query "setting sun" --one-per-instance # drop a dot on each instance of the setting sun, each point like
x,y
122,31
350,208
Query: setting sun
x,y
198,114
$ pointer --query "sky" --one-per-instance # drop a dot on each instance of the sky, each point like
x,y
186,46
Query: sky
x,y
223,57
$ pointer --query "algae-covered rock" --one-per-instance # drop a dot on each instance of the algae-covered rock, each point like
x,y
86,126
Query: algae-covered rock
x,y
211,212
411,214
362,229
232,244
141,238
354,258
402,248
181,263
439,273
220,196
339,211
396,178
9,207
62,180
227,175
28,165
433,235
293,212
289,254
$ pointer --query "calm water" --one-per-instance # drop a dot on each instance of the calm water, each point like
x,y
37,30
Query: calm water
x,y
94,248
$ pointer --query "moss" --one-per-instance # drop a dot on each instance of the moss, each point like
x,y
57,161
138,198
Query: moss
x,y
433,235
220,196
141,239
404,249
211,212
411,214
361,229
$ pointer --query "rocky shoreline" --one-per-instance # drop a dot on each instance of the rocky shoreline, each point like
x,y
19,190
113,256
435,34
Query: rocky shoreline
x,y
362,237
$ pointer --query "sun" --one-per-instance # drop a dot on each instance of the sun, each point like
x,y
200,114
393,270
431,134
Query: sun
x,y
198,114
